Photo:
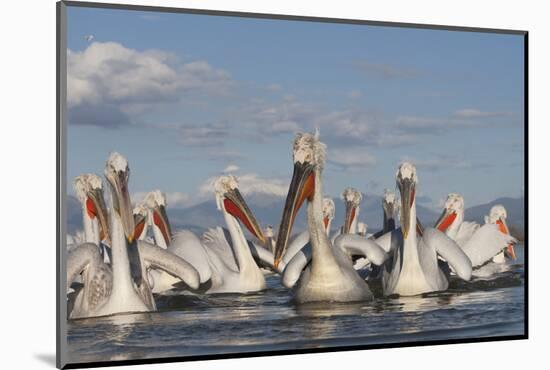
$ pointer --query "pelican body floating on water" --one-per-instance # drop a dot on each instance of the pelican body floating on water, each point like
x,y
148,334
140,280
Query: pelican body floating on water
x,y
89,191
498,215
480,243
120,287
330,276
224,258
119,270
414,267
352,199
302,239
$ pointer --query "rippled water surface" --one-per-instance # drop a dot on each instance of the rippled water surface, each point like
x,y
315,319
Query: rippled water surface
x,y
492,304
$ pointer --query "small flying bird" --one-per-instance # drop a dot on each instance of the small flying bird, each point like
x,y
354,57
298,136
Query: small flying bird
x,y
89,38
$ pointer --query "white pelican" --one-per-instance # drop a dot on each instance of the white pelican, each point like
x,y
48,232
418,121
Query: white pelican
x,y
151,213
330,276
89,191
270,241
234,269
141,222
120,288
362,229
352,198
223,257
302,239
361,262
390,207
479,243
498,216
414,268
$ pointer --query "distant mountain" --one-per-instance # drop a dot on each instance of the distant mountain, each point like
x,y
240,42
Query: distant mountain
x,y
268,210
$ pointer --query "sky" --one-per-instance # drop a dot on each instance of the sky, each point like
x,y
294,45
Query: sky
x,y
189,97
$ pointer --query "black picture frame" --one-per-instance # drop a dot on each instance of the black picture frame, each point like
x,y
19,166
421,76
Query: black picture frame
x,y
61,109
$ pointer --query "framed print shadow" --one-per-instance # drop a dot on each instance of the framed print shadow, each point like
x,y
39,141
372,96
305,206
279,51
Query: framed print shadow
x,y
235,184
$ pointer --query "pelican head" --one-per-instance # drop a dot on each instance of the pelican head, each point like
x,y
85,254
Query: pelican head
x,y
498,216
117,173
89,190
352,198
268,232
362,228
497,213
454,205
406,182
156,202
308,154
328,212
230,200
389,203
140,219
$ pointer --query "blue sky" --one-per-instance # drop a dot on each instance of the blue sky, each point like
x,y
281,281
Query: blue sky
x,y
187,97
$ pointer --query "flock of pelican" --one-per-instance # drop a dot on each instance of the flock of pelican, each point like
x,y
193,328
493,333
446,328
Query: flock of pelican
x,y
127,255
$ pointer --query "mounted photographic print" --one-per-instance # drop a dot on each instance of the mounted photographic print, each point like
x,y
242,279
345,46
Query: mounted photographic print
x,y
235,184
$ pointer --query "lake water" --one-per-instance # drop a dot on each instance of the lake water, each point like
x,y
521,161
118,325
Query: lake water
x,y
188,325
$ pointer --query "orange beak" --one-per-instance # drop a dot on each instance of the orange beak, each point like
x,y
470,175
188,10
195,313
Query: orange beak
x,y
510,251
301,188
160,218
445,220
236,206
350,216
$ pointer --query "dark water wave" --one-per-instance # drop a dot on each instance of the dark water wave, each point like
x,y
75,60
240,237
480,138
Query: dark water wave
x,y
189,324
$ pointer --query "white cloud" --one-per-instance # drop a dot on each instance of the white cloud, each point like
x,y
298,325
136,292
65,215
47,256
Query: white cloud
x,y
352,158
432,125
462,118
287,116
346,124
413,122
476,113
438,164
132,80
178,199
173,199
249,184
224,155
218,155
202,135
231,168
339,128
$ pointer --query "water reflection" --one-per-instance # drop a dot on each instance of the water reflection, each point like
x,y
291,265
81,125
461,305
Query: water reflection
x,y
207,324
